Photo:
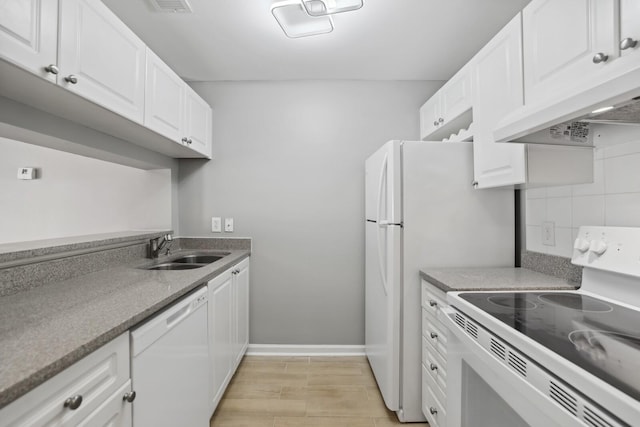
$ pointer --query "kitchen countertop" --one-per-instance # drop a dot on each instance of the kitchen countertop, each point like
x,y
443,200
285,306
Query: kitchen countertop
x,y
491,279
47,329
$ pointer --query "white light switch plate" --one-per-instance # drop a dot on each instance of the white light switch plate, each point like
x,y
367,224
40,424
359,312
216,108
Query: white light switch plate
x,y
548,233
216,224
228,225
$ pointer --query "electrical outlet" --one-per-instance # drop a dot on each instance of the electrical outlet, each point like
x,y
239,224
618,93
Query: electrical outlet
x,y
27,173
216,224
228,225
548,233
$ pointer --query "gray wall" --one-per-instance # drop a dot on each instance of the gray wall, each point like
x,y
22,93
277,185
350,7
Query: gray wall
x,y
76,195
288,166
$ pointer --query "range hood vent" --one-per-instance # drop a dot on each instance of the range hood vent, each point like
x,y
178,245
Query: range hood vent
x,y
579,113
172,6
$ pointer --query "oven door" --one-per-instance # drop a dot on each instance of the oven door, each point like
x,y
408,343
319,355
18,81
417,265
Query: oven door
x,y
482,391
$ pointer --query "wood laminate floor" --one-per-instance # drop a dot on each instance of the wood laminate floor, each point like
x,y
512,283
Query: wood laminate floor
x,y
304,391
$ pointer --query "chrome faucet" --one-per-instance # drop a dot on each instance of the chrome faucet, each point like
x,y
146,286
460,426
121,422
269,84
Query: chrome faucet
x,y
156,245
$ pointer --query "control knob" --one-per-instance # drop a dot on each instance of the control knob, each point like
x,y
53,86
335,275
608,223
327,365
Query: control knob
x,y
598,247
581,245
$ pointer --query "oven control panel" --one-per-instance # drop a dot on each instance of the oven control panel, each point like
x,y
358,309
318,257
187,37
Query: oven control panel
x,y
614,249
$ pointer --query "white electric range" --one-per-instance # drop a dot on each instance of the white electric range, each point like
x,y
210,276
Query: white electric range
x,y
552,358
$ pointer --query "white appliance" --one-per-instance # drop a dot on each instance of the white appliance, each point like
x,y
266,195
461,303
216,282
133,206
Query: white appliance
x,y
421,211
548,358
175,342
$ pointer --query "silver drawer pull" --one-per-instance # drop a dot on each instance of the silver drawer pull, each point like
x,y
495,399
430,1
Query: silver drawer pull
x,y
433,303
129,396
52,69
73,402
71,79
433,411
600,57
434,335
628,43
433,367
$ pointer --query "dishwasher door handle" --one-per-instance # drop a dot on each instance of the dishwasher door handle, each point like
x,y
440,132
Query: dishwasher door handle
x,y
176,317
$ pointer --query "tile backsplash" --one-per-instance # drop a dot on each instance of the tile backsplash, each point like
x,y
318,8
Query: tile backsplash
x,y
554,214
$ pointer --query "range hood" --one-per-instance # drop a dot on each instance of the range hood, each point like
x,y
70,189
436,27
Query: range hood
x,y
571,120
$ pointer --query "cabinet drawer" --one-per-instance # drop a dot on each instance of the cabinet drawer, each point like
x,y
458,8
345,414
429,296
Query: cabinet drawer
x,y
431,300
431,406
434,333
436,366
95,378
431,384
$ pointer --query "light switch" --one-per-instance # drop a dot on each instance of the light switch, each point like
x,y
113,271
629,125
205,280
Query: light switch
x,y
228,225
216,224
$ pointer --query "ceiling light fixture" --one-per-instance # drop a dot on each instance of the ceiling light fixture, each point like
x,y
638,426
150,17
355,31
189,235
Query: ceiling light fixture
x,y
296,22
330,7
301,18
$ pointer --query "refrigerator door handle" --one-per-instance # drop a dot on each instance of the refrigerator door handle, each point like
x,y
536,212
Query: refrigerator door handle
x,y
382,223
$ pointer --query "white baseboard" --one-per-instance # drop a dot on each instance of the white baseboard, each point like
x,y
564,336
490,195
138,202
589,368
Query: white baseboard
x,y
304,350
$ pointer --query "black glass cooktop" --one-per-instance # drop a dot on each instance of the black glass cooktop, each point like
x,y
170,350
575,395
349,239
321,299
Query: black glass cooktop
x,y
601,337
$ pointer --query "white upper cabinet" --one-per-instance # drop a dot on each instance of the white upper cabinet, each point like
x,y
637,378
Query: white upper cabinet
x,y
497,90
29,34
567,43
198,117
100,58
164,99
629,27
444,113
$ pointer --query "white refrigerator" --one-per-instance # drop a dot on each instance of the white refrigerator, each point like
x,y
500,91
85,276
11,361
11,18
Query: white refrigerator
x,y
421,211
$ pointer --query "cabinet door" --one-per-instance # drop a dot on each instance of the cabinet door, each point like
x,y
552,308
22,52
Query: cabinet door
x,y
115,412
630,24
429,114
164,99
106,58
455,96
220,309
198,123
561,39
497,72
242,315
29,34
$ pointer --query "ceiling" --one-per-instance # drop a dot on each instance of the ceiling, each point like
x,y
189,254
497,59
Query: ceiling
x,y
384,40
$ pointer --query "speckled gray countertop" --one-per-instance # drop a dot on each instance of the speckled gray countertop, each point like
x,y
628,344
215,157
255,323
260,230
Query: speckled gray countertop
x,y
47,329
488,279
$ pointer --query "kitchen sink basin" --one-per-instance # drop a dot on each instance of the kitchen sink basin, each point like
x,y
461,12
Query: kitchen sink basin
x,y
173,266
198,259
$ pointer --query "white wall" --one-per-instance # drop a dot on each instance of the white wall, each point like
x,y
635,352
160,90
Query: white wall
x,y
76,195
613,199
288,165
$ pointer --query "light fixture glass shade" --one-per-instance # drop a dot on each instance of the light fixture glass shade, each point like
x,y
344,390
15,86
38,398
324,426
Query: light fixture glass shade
x,y
296,22
329,7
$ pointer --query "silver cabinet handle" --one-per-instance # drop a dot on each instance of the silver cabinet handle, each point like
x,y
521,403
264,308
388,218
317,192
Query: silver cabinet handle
x,y
73,402
189,141
628,43
129,396
71,79
51,68
474,184
440,120
435,123
433,367
600,57
433,303
184,140
434,335
433,410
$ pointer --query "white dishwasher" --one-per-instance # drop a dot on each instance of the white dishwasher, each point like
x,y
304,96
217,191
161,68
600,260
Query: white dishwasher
x,y
170,366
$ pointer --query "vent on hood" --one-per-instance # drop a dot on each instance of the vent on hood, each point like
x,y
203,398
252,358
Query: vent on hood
x,y
172,6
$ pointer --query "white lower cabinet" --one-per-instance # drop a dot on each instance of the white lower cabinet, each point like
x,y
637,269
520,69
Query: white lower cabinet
x,y
228,326
88,393
434,356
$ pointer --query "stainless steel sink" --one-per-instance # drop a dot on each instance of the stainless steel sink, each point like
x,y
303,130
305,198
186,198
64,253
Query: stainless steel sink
x,y
173,266
198,259
186,262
